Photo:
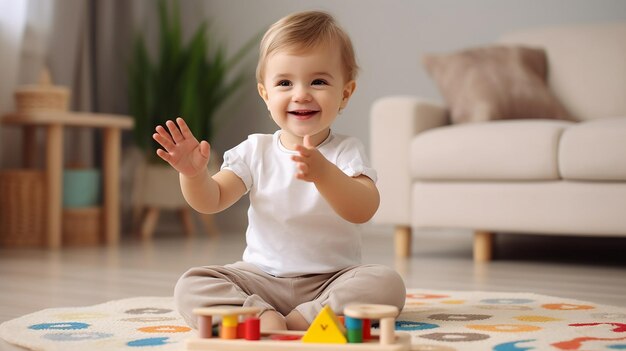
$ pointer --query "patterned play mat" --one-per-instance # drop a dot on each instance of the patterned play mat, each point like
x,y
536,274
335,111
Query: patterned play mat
x,y
437,321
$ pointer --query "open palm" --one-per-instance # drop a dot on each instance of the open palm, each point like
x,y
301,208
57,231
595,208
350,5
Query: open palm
x,y
181,149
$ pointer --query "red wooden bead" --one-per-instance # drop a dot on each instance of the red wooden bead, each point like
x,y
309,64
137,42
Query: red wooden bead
x,y
241,330
252,329
367,329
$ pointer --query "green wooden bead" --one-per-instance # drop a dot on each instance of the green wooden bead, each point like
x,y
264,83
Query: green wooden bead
x,y
355,336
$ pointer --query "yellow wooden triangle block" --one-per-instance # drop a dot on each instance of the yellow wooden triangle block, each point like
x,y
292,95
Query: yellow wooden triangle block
x,y
326,329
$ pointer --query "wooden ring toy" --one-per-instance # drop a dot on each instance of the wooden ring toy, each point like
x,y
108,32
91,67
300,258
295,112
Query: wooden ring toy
x,y
370,311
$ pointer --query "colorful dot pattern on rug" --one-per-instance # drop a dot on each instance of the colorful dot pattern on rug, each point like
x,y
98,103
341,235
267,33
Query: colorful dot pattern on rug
x,y
436,320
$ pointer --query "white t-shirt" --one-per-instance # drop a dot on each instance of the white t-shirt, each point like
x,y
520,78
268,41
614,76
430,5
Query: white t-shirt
x,y
292,230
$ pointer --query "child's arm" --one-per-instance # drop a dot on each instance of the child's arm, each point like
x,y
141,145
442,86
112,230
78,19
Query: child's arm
x,y
355,199
190,158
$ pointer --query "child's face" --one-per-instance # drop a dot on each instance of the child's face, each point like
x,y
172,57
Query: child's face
x,y
304,92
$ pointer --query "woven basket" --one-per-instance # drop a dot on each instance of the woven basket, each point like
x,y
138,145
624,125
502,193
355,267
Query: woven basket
x,y
22,208
42,97
82,226
36,99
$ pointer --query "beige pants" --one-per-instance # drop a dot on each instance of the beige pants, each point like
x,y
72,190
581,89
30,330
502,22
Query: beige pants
x,y
243,284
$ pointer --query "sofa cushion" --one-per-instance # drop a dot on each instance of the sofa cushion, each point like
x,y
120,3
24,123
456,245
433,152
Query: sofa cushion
x,y
495,82
594,150
587,66
497,150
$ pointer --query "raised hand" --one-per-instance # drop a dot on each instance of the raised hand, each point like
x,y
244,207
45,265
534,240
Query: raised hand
x,y
181,149
310,163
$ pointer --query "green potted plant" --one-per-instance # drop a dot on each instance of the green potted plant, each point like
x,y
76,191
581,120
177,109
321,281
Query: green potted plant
x,y
191,80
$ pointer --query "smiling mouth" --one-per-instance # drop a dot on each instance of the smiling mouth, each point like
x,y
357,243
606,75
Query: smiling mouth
x,y
303,114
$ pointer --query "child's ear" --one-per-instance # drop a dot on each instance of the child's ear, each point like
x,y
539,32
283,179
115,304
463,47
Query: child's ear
x,y
348,90
262,92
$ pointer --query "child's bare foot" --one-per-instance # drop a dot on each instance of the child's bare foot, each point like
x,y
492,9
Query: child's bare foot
x,y
295,321
272,320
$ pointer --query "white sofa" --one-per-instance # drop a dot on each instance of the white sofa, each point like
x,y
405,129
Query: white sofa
x,y
513,176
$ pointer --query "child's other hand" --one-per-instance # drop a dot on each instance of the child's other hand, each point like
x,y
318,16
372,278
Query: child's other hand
x,y
310,163
182,149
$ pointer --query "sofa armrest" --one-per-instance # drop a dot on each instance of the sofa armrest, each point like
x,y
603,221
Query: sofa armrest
x,y
394,121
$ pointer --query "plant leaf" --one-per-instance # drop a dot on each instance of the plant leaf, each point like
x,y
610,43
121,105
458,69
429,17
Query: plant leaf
x,y
191,80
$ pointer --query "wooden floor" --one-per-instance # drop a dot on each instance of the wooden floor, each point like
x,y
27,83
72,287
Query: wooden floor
x,y
580,268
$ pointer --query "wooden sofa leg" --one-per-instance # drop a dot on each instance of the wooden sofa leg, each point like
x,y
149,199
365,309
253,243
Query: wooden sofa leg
x,y
403,241
483,246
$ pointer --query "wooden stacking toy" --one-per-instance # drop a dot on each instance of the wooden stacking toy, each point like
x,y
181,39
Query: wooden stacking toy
x,y
240,330
249,329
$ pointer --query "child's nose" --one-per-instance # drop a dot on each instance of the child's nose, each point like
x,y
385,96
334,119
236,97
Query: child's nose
x,y
301,94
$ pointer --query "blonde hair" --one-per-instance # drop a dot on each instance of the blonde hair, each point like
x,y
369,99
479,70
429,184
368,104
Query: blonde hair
x,y
303,31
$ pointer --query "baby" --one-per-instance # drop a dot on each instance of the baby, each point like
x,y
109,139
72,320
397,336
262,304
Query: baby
x,y
308,188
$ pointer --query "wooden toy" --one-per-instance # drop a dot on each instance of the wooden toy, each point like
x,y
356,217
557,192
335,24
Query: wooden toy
x,y
386,314
325,333
230,328
354,330
326,329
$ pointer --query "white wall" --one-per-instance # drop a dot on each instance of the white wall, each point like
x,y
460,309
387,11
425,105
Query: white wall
x,y
389,37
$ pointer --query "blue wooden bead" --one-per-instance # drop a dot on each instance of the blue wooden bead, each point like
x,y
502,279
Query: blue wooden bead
x,y
353,323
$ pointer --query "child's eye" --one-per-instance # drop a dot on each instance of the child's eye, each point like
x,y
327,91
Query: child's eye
x,y
319,82
283,83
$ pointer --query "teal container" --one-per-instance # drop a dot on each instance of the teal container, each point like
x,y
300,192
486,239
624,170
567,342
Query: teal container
x,y
81,187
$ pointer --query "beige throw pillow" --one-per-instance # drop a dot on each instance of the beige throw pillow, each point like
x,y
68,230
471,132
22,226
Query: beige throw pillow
x,y
495,82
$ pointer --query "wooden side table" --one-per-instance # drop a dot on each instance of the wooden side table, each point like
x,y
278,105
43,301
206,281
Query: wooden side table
x,y
54,123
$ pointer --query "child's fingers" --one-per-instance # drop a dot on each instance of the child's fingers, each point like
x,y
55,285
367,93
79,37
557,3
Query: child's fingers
x,y
162,132
164,135
166,143
174,131
303,150
303,168
307,141
297,158
205,149
303,176
164,155
184,128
